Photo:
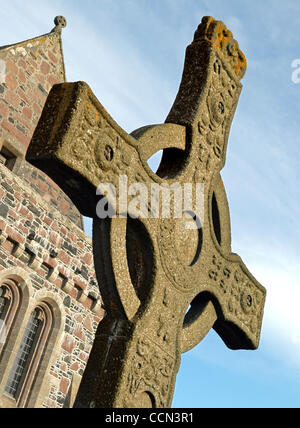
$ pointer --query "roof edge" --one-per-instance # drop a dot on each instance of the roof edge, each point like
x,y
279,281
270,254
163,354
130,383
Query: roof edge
x,y
60,23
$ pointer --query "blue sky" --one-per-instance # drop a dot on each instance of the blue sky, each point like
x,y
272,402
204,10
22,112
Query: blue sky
x,y
131,53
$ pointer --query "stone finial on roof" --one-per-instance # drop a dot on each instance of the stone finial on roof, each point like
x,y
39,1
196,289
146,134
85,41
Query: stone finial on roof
x,y
60,23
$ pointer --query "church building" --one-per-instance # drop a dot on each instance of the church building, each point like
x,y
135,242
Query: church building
x,y
50,304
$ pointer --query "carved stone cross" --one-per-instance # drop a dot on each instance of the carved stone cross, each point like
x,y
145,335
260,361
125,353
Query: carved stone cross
x,y
164,285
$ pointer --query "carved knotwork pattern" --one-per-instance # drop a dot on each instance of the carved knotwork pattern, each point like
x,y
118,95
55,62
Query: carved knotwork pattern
x,y
167,318
214,114
151,371
243,298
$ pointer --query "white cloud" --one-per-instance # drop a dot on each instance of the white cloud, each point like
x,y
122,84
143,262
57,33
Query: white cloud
x,y
278,270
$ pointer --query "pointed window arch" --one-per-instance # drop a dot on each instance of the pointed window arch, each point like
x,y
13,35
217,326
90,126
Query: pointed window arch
x,y
9,304
30,352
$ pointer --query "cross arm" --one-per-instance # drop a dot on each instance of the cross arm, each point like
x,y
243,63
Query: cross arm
x,y
79,145
164,285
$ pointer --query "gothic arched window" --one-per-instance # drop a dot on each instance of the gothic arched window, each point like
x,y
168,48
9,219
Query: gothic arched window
x,y
9,303
29,355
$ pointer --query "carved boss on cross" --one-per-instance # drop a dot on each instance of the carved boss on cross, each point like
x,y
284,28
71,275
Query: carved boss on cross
x,y
164,286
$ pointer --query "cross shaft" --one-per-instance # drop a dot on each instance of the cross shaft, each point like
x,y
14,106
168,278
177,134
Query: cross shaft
x,y
164,285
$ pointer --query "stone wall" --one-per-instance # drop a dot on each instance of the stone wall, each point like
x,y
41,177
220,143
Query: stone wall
x,y
28,70
31,69
50,259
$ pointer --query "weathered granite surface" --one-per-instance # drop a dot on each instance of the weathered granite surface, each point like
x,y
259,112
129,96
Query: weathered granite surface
x,y
164,286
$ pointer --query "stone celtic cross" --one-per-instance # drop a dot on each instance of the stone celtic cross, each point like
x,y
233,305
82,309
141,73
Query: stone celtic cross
x,y
164,285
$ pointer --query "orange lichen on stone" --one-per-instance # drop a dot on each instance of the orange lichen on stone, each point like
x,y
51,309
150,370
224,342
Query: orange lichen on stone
x,y
222,40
